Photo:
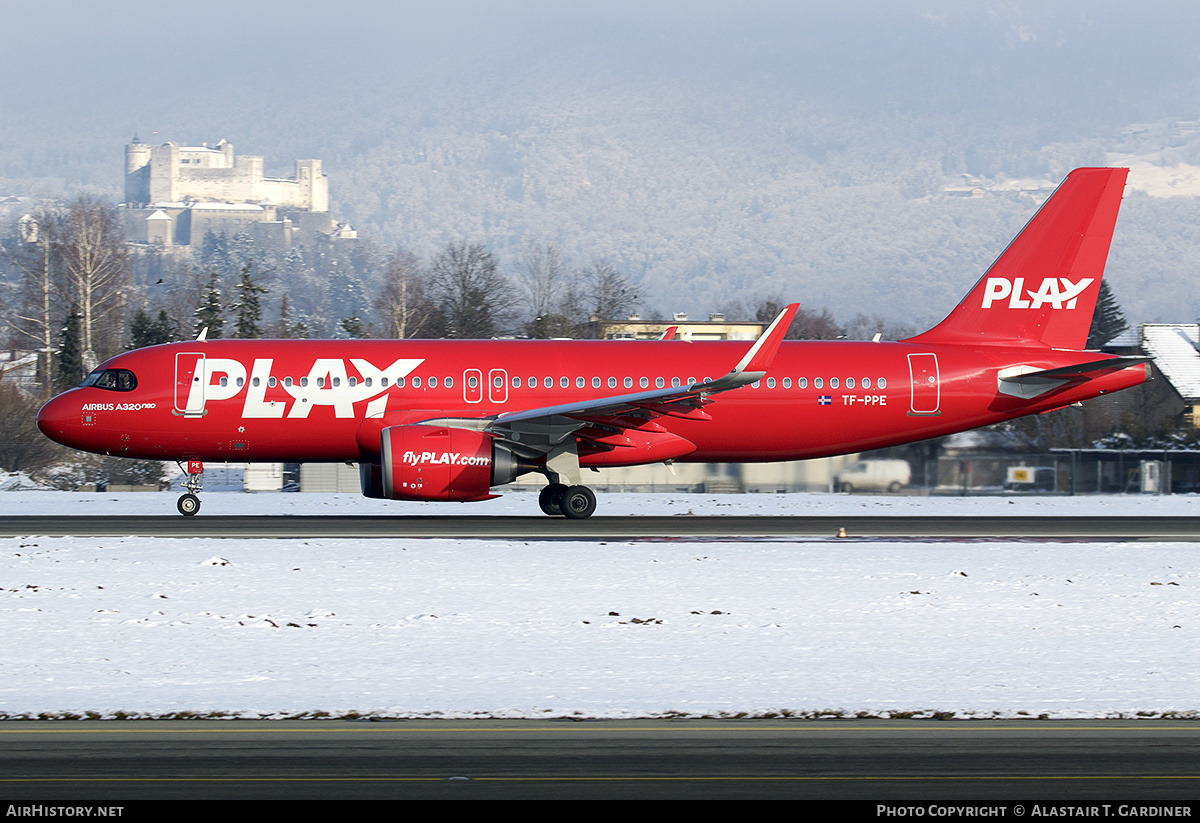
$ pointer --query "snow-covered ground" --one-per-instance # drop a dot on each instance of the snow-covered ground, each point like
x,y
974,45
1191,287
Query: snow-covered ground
x,y
508,628
1158,175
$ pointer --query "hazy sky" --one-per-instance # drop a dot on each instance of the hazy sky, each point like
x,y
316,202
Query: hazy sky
x,y
857,90
145,62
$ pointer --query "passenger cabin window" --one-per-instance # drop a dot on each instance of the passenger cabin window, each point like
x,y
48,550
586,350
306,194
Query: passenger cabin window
x,y
111,379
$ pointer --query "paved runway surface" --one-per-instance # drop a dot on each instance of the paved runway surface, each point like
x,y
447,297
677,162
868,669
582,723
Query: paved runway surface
x,y
925,761
656,527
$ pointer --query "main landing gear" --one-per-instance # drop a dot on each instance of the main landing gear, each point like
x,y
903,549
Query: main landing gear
x,y
188,504
572,502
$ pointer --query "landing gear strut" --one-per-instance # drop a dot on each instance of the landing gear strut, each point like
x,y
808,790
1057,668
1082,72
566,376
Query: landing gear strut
x,y
569,499
188,504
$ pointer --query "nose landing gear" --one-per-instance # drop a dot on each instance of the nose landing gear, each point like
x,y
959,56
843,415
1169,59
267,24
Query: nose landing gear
x,y
188,504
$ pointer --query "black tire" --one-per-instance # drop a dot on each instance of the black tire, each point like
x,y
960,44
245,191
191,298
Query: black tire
x,y
894,487
847,488
551,499
188,505
578,502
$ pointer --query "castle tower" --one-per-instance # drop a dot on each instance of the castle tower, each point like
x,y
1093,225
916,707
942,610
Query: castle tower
x,y
137,173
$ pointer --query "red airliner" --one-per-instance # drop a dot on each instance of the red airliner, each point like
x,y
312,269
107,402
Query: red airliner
x,y
450,419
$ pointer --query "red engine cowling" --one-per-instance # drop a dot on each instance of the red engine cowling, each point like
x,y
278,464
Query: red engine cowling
x,y
442,463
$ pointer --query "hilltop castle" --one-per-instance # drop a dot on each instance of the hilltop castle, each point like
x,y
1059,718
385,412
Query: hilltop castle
x,y
175,194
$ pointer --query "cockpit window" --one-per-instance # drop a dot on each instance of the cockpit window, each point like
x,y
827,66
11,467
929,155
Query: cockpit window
x,y
111,379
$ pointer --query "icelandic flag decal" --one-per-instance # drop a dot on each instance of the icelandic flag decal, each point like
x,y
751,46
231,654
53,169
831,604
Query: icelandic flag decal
x,y
825,400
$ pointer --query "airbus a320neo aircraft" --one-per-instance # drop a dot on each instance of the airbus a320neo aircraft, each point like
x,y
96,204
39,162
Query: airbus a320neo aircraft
x,y
450,419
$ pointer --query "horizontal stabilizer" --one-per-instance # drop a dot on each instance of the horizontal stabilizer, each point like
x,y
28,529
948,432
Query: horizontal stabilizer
x,y
1084,369
1029,382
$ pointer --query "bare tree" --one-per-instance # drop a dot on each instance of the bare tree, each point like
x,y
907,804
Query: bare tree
x,y
610,295
32,256
22,446
546,282
475,298
95,261
403,306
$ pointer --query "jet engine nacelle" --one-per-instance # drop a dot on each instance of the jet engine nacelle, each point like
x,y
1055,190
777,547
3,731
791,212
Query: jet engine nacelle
x,y
442,463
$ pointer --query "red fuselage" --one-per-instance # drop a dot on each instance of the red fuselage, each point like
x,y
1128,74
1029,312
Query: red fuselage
x,y
282,400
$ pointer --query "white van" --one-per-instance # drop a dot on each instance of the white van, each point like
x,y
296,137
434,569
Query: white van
x,y
874,475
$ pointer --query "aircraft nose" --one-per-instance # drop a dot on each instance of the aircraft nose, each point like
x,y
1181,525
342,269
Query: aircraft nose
x,y
53,419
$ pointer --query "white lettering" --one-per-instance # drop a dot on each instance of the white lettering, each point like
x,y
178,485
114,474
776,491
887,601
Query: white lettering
x,y
1015,302
1071,291
337,391
216,368
998,288
1047,293
1058,292
256,405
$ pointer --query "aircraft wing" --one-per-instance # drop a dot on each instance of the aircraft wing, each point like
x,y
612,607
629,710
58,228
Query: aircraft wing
x,y
540,429
749,369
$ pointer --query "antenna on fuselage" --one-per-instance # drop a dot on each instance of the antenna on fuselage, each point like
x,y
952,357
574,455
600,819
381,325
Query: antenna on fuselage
x,y
200,338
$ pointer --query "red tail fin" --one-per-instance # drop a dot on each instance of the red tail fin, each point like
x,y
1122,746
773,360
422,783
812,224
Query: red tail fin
x,y
1042,290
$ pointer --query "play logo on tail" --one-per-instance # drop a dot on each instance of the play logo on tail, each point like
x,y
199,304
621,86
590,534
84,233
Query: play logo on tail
x,y
1042,290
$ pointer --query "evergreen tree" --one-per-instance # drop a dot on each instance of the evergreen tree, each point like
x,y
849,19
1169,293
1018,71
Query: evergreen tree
x,y
162,330
287,329
283,328
68,365
354,328
211,313
249,304
214,252
146,332
1108,321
